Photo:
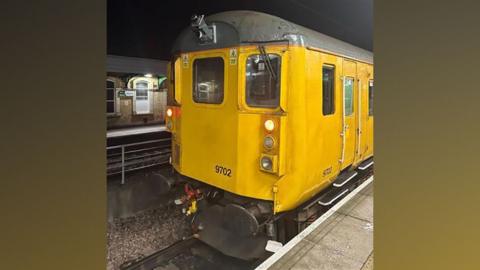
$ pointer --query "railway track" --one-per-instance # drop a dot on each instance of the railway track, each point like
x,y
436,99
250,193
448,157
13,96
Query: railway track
x,y
193,254
189,253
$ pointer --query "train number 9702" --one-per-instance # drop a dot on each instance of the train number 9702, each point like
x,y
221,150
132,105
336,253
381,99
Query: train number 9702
x,y
223,171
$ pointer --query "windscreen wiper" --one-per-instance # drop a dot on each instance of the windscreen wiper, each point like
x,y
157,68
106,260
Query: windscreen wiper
x,y
265,57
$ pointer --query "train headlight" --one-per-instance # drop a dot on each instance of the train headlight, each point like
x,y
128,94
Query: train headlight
x,y
269,125
266,163
169,112
268,142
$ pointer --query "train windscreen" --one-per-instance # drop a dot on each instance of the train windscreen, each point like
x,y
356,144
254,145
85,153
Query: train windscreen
x,y
263,80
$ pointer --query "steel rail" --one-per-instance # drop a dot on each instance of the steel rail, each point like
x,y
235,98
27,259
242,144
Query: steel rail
x,y
161,256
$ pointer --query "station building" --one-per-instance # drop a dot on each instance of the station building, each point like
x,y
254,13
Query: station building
x,y
136,91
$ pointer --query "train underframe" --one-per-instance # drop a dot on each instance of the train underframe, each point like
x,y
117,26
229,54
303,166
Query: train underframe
x,y
243,227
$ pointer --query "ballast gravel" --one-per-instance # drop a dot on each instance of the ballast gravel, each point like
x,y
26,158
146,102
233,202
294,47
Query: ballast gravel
x,y
143,234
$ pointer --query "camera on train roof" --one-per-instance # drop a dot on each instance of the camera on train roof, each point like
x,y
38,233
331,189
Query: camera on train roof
x,y
204,32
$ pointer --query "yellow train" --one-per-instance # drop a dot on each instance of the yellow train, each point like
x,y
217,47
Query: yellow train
x,y
266,112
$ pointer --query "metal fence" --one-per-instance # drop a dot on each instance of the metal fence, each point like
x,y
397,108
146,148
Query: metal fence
x,y
135,156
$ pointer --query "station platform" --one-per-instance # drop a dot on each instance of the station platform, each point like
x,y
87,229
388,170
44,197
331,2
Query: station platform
x,y
340,239
135,131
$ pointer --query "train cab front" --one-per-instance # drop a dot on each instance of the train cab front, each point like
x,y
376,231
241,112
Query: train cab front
x,y
227,117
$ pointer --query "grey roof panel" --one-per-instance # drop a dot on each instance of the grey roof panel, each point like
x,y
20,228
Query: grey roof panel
x,y
258,26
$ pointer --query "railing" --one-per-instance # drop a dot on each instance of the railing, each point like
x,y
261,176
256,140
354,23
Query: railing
x,y
135,156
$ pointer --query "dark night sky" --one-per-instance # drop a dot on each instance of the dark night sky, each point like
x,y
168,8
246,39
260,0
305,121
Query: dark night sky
x,y
147,28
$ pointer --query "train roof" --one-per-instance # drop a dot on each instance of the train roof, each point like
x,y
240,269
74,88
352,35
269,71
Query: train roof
x,y
245,26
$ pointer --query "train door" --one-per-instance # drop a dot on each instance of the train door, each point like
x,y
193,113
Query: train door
x,y
368,151
142,100
361,112
323,107
208,115
349,113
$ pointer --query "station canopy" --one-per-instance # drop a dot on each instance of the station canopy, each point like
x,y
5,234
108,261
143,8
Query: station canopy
x,y
134,65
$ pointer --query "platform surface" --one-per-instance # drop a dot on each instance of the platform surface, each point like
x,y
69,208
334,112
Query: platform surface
x,y
341,241
134,131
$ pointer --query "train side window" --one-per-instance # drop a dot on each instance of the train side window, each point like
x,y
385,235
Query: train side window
x,y
328,90
263,81
348,88
172,91
110,97
208,76
370,98
175,82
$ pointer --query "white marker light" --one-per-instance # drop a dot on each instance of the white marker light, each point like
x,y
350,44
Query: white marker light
x,y
268,142
269,125
169,112
148,75
266,163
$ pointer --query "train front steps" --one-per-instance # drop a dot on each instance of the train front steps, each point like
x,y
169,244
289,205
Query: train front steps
x,y
340,185
366,164
339,189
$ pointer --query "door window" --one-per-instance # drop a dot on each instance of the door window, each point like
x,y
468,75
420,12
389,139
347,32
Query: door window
x,y
208,76
370,98
348,102
328,90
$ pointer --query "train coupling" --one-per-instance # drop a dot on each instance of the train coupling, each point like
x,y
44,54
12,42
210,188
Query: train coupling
x,y
189,200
